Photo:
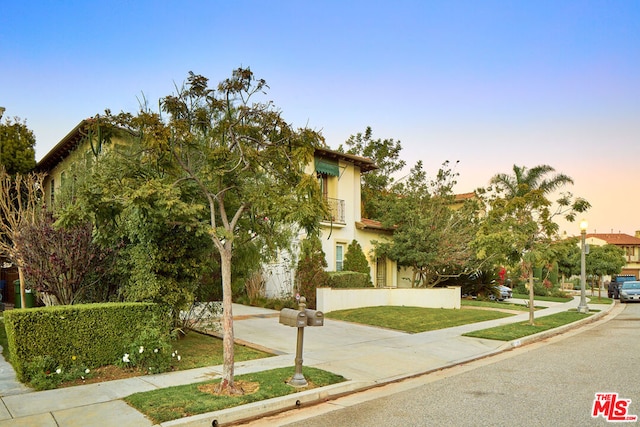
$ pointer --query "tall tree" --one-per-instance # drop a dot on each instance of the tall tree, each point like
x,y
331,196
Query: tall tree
x,y
524,181
567,255
17,142
430,235
20,205
386,155
604,260
244,165
521,218
137,210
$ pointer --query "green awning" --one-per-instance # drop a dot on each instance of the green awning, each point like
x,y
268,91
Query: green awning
x,y
330,167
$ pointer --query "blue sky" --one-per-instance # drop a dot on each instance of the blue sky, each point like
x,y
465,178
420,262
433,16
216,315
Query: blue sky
x,y
488,83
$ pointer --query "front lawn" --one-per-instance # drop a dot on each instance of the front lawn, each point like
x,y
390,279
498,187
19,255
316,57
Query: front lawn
x,y
495,305
514,331
414,319
186,400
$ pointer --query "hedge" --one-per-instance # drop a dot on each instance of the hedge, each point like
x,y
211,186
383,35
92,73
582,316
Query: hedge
x,y
90,334
348,279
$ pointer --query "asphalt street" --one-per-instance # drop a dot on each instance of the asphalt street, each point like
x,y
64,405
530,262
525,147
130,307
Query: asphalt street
x,y
549,383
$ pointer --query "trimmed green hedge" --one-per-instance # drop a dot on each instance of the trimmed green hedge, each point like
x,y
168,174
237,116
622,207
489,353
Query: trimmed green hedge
x,y
348,279
89,334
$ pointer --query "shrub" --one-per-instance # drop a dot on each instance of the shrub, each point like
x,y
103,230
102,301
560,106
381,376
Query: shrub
x,y
150,352
355,260
349,279
83,335
310,272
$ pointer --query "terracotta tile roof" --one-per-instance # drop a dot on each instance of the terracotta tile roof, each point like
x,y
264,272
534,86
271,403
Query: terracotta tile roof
x,y
371,224
465,196
616,238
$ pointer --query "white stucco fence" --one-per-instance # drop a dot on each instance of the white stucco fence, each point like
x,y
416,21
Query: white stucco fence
x,y
329,299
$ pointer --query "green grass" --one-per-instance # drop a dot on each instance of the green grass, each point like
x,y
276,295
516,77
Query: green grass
x,y
601,300
183,401
414,319
495,304
540,298
199,350
522,329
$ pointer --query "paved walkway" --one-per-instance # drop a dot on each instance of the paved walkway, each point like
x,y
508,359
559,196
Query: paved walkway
x,y
366,356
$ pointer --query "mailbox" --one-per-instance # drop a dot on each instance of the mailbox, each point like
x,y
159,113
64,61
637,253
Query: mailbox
x,y
291,317
314,317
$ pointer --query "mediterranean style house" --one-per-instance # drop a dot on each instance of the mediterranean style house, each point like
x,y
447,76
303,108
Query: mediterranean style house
x,y
630,245
338,175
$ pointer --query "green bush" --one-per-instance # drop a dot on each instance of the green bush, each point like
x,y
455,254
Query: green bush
x,y
348,279
83,335
355,260
538,289
310,272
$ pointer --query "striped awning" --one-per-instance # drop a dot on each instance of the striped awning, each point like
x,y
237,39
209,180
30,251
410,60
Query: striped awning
x,y
330,167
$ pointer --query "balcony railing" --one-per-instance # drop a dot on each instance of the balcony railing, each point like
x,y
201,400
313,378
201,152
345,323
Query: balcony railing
x,y
336,210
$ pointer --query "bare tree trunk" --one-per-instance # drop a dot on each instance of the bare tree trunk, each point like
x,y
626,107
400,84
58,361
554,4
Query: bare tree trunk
x,y
23,296
531,307
227,382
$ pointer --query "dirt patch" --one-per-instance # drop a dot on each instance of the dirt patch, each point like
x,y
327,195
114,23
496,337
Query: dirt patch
x,y
243,388
104,373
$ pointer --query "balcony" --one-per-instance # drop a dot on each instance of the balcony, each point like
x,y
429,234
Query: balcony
x,y
336,211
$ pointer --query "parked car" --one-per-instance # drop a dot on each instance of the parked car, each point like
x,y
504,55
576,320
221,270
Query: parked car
x,y
503,292
630,291
616,283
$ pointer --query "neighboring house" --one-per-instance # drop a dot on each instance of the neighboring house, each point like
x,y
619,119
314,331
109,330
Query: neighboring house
x,y
77,150
630,245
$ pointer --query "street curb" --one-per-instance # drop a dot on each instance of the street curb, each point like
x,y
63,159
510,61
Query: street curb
x,y
252,411
271,406
561,329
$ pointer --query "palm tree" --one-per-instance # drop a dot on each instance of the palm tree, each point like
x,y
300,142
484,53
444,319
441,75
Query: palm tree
x,y
532,186
526,180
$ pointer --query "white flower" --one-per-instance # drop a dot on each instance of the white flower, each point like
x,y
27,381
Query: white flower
x,y
58,371
86,371
141,349
179,357
155,350
125,358
173,354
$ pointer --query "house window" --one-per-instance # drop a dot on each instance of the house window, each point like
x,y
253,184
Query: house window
x,y
339,257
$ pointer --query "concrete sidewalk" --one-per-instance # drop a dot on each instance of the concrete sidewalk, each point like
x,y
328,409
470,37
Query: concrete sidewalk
x,y
366,356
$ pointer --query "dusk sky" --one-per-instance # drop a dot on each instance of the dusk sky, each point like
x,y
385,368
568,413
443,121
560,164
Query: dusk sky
x,y
488,83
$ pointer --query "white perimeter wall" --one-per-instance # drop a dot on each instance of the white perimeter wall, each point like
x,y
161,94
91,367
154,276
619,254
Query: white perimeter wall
x,y
328,299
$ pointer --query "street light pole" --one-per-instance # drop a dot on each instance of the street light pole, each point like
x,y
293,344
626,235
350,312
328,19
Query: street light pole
x,y
583,308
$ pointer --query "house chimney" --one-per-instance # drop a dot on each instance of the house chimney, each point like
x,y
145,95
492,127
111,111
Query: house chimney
x,y
638,234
